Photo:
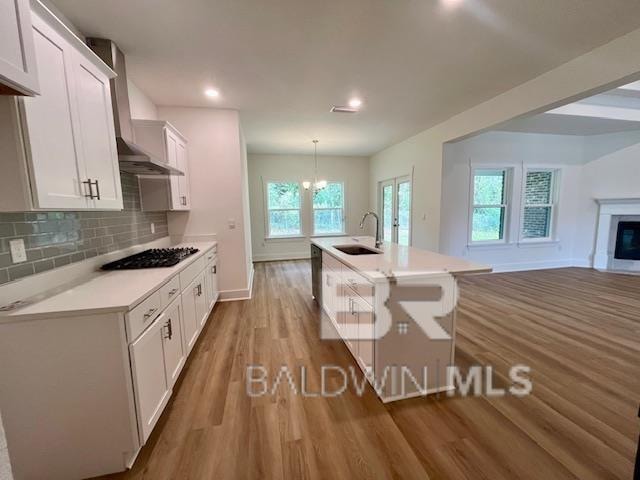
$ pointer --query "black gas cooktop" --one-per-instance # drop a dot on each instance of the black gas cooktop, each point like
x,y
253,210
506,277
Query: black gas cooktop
x,y
156,258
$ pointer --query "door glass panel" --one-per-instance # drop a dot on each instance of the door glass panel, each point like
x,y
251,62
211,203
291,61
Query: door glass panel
x,y
387,212
404,212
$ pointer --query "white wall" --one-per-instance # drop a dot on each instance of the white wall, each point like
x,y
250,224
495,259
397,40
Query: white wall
x,y
515,151
611,65
353,171
612,170
216,174
141,106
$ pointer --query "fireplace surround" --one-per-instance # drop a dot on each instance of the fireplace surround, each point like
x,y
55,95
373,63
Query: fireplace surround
x,y
617,238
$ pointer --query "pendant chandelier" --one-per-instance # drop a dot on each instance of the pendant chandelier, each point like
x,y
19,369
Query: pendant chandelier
x,y
317,184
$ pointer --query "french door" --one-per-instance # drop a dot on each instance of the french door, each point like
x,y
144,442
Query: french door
x,y
395,205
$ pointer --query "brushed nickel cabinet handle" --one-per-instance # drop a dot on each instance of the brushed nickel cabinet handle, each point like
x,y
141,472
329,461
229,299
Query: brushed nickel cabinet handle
x,y
169,330
173,292
150,313
89,184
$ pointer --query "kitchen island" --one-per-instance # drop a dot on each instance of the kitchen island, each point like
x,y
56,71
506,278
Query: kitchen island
x,y
394,307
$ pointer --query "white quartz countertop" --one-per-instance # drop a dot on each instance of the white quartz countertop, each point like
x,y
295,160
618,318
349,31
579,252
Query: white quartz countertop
x,y
396,260
104,292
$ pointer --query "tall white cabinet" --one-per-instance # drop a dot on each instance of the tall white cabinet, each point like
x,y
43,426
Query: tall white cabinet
x,y
18,71
166,143
65,156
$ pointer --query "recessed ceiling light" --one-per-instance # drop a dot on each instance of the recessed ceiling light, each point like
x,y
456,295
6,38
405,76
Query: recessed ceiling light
x,y
355,103
211,92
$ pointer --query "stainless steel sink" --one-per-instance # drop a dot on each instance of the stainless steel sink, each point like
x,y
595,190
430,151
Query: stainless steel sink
x,y
357,250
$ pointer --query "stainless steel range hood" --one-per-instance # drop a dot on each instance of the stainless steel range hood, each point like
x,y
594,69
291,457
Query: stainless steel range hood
x,y
132,157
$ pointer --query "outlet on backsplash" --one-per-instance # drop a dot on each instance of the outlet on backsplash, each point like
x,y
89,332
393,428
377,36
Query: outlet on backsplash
x,y
18,252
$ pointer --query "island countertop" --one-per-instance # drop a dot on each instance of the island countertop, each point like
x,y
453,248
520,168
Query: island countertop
x,y
396,260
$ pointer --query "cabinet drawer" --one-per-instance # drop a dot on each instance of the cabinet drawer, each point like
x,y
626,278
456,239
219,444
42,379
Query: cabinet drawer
x,y
192,271
143,315
358,283
210,255
170,291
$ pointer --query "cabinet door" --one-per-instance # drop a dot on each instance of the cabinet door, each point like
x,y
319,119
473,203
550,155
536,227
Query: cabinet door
x,y
17,54
190,324
211,282
365,342
97,135
174,354
183,181
202,307
172,148
55,169
328,292
149,377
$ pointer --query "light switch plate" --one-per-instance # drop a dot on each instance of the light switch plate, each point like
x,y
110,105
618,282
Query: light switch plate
x,y
18,253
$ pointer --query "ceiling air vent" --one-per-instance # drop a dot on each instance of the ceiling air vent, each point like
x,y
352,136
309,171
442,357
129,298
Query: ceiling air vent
x,y
339,109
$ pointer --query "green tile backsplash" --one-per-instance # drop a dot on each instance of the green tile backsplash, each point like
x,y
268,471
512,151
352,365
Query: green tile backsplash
x,y
55,239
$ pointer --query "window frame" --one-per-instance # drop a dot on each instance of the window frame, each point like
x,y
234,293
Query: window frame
x,y
506,205
267,210
554,197
344,212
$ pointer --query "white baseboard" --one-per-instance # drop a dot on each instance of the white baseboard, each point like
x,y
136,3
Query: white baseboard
x,y
272,257
242,294
542,265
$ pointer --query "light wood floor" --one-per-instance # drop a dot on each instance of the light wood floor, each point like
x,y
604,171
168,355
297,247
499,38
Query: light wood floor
x,y
578,329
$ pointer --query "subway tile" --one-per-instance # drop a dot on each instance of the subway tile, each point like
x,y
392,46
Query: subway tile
x,y
54,239
43,265
34,254
26,228
7,230
20,271
12,217
5,260
62,261
77,257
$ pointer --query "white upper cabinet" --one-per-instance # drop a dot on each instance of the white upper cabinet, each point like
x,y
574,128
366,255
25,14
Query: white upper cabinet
x,y
97,134
66,157
18,72
163,141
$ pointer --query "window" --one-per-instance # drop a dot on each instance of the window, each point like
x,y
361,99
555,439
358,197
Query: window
x,y
328,209
539,204
283,209
489,205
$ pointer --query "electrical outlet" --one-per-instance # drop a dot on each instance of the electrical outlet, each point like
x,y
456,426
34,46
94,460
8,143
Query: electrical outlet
x,y
153,228
232,223
18,253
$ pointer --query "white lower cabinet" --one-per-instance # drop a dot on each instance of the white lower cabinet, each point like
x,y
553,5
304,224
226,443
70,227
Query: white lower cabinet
x,y
352,315
150,380
104,382
174,352
211,282
194,306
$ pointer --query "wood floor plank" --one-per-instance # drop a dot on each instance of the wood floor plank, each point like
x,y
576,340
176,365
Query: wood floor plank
x,y
578,330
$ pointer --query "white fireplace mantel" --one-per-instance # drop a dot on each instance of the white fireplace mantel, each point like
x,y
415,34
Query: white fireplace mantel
x,y
610,208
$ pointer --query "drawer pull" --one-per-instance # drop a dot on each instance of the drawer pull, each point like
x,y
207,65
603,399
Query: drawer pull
x,y
214,269
169,330
173,292
150,313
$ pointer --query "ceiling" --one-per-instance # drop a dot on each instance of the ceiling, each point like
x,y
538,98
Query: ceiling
x,y
284,63
617,110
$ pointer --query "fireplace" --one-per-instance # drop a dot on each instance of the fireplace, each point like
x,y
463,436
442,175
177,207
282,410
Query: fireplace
x,y
628,241
618,236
